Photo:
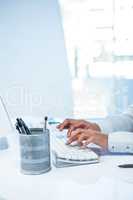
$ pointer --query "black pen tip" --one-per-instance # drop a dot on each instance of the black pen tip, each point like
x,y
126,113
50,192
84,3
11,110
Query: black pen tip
x,y
46,118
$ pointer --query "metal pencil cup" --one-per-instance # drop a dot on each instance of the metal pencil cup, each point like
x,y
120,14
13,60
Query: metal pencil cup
x,y
35,151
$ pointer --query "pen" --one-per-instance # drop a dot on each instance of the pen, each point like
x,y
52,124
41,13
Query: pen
x,y
21,127
126,166
25,127
45,123
53,122
18,129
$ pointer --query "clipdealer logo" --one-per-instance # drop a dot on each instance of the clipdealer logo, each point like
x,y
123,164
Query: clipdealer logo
x,y
19,96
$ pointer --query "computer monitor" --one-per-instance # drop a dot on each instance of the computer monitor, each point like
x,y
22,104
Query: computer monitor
x,y
35,79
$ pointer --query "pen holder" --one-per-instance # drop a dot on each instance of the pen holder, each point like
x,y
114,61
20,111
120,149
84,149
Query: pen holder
x,y
35,151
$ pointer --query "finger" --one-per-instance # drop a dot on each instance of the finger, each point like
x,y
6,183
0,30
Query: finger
x,y
74,136
80,124
81,138
72,139
64,125
70,130
88,141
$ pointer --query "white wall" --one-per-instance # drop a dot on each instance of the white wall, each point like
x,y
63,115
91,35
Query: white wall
x,y
34,74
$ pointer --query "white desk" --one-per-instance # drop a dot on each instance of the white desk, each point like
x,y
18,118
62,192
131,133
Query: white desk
x,y
96,181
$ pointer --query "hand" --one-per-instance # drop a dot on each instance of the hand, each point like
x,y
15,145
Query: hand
x,y
73,124
87,136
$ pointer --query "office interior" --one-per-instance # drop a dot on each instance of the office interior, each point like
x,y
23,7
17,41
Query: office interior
x,y
65,59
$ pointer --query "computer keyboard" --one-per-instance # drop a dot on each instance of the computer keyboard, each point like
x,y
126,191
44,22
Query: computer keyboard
x,y
70,154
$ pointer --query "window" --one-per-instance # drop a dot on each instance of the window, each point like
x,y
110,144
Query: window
x,y
98,37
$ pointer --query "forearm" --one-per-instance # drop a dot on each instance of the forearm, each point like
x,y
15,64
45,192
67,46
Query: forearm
x,y
122,122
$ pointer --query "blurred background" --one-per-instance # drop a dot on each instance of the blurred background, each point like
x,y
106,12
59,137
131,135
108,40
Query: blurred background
x,y
98,37
66,58
35,79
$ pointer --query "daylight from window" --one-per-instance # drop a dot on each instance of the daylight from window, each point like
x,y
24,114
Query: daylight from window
x,y
98,38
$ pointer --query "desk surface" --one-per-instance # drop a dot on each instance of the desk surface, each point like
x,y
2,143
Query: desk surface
x,y
103,180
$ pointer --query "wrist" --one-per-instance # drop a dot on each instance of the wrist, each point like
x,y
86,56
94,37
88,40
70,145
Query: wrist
x,y
102,140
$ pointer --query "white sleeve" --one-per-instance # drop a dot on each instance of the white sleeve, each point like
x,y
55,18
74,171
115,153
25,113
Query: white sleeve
x,y
120,131
123,122
120,142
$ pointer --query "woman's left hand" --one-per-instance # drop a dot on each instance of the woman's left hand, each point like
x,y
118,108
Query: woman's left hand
x,y
87,136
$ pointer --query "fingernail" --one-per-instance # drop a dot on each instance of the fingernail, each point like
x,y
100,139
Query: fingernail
x,y
68,142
